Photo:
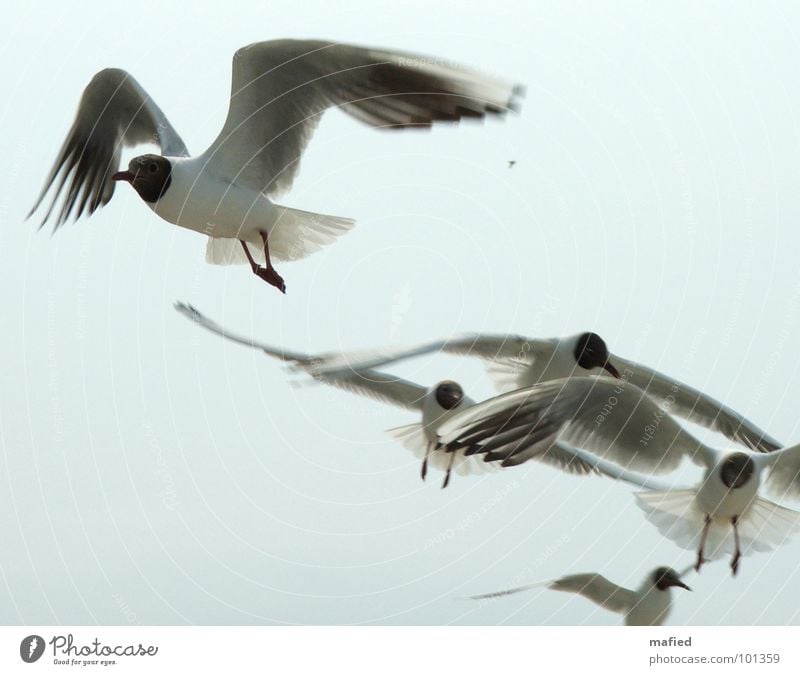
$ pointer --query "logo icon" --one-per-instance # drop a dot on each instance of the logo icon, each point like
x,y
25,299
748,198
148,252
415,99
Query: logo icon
x,y
31,648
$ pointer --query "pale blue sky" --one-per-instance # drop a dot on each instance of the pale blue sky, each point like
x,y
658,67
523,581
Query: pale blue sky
x,y
150,472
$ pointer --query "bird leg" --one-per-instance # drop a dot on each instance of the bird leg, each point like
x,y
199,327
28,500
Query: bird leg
x,y
703,537
267,273
737,553
424,471
449,468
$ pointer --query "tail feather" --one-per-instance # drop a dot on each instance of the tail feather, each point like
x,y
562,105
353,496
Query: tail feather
x,y
768,525
229,252
675,515
295,234
763,527
413,438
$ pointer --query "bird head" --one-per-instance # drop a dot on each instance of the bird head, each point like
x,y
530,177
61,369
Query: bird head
x,y
448,394
150,176
591,352
666,577
736,469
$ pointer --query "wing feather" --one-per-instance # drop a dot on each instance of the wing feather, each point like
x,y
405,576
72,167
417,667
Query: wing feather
x,y
594,587
485,346
370,383
114,112
612,419
599,590
783,479
693,405
281,88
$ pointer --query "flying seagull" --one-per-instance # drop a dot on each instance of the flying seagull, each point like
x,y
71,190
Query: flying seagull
x,y
620,423
279,91
648,605
433,404
515,362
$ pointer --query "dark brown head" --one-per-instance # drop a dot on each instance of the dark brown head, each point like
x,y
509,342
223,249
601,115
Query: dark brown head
x,y
736,470
591,352
449,394
666,577
150,176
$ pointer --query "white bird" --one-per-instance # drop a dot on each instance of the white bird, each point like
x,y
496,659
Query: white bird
x,y
620,423
516,362
434,404
648,605
279,91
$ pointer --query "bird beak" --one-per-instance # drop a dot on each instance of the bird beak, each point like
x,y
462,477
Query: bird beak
x,y
123,175
611,370
678,582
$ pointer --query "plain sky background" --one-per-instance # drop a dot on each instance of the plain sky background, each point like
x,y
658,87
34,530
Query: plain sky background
x,y
152,473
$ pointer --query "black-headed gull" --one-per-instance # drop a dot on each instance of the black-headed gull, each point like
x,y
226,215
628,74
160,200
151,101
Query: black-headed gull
x,y
435,405
648,605
279,91
620,423
516,361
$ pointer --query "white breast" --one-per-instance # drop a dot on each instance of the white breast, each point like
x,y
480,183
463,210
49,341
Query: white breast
x,y
716,499
433,415
652,609
198,201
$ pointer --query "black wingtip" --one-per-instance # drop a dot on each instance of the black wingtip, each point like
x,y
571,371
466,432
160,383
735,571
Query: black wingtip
x,y
189,311
518,92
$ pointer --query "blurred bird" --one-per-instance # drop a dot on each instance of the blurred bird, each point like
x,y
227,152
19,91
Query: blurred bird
x,y
620,423
279,91
516,361
649,605
434,404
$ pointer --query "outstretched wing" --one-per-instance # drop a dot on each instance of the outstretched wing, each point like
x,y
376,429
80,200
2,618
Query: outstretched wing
x,y
370,383
488,346
202,320
485,346
281,88
683,401
575,460
114,112
340,362
595,587
783,479
507,591
379,387
611,418
599,590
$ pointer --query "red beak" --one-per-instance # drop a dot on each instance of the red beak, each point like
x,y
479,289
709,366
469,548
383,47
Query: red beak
x,y
611,370
123,175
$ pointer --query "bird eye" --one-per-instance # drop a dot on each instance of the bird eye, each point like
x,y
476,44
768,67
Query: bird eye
x,y
152,167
